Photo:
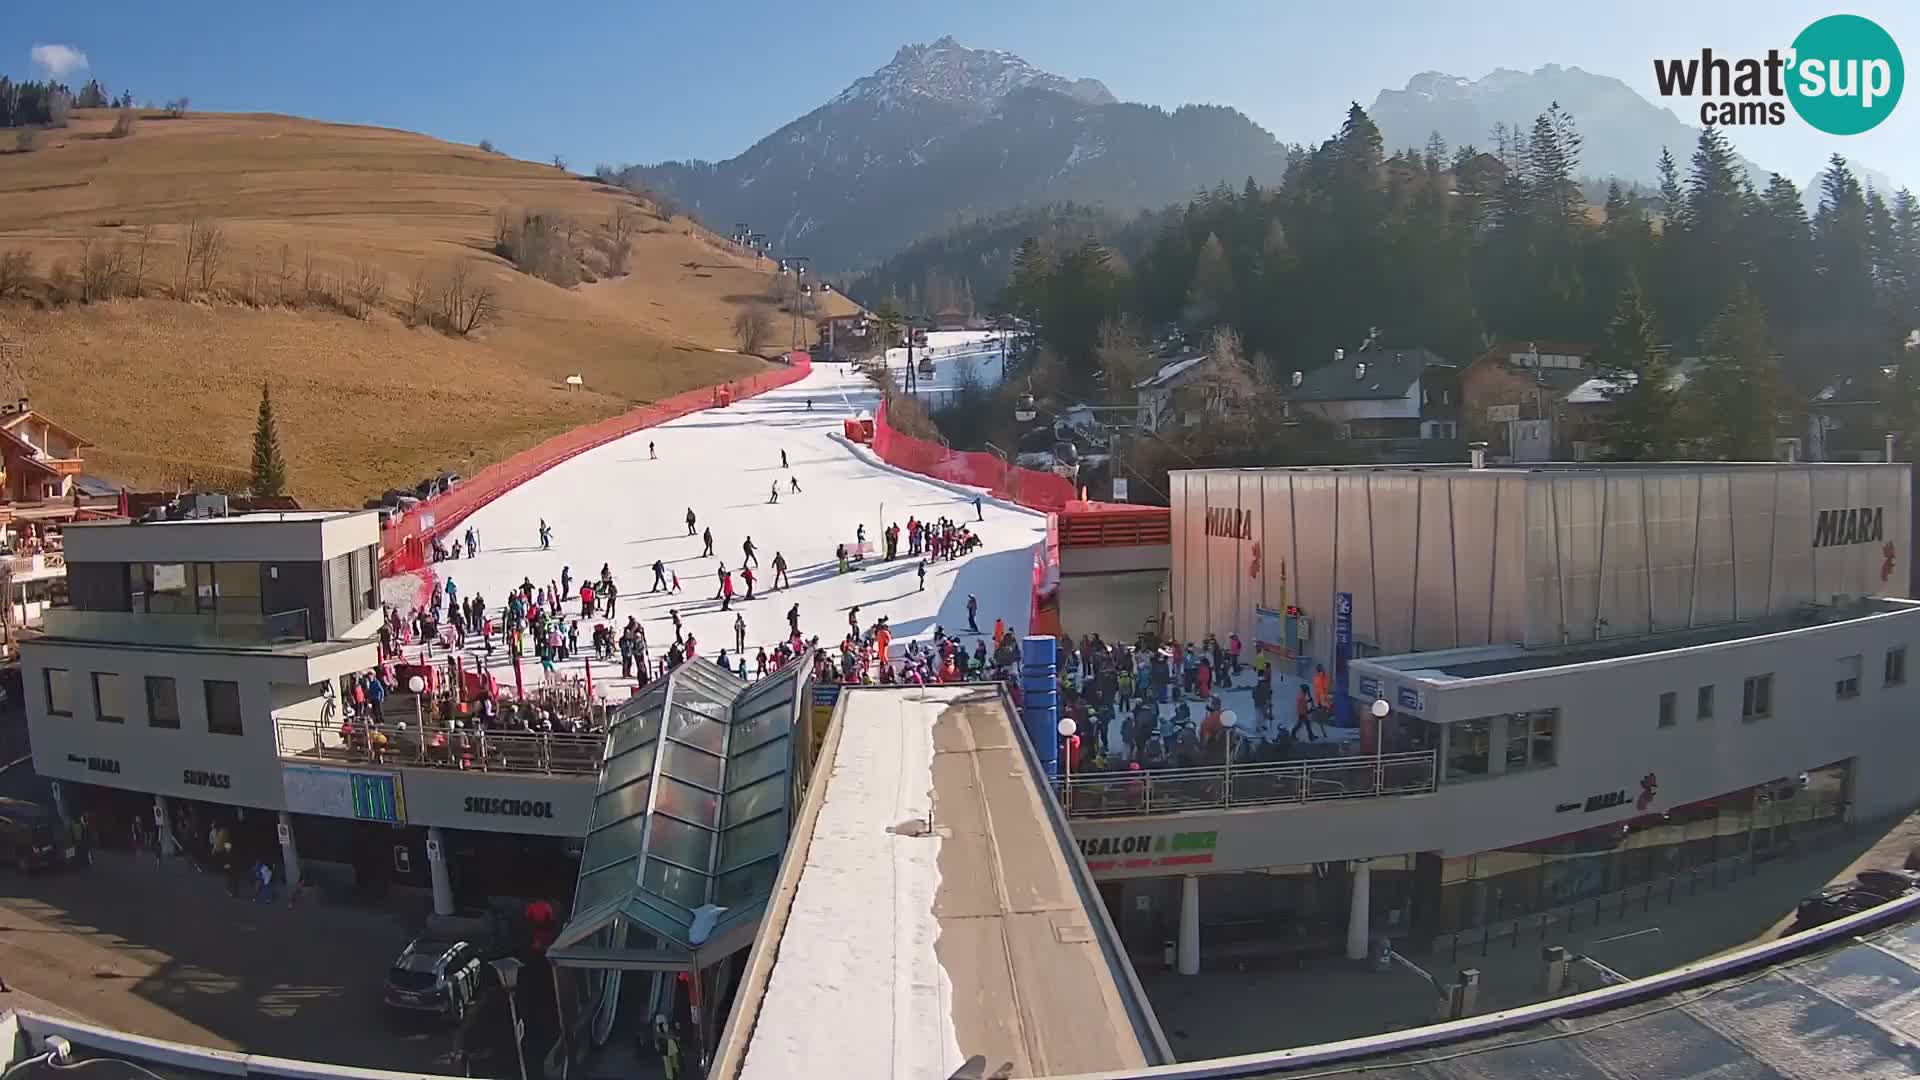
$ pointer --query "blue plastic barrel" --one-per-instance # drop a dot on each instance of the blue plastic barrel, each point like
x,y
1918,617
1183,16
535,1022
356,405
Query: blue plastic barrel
x,y
1039,649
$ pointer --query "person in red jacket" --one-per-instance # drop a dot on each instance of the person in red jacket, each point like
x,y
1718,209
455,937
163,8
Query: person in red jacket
x,y
586,601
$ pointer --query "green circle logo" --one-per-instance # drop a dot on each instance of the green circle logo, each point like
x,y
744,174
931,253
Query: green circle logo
x,y
1847,75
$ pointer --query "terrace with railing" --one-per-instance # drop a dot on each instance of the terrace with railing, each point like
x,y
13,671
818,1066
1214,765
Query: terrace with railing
x,y
438,746
1217,787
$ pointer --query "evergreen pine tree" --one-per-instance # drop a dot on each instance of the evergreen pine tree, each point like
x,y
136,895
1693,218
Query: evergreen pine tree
x,y
1736,390
1641,425
269,469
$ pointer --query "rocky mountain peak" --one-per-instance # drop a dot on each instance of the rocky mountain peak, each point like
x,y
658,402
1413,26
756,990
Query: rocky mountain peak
x,y
975,79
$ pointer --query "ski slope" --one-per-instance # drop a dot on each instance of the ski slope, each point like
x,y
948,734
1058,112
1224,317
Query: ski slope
x,y
957,355
615,505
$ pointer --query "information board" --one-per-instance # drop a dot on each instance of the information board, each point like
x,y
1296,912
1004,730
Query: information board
x,y
344,793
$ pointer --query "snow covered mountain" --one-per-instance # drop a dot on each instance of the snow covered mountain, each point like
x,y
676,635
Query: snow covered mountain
x,y
943,133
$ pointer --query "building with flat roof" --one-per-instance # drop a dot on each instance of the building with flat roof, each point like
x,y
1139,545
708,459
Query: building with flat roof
x,y
1546,685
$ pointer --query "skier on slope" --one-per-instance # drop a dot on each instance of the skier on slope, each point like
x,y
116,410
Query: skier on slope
x,y
750,559
740,634
690,531
546,535
780,572
853,619
783,460
650,451
773,493
793,619
706,536
923,575
659,576
973,613
794,481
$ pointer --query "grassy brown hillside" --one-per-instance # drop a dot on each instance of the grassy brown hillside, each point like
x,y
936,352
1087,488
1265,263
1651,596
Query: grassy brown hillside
x,y
167,383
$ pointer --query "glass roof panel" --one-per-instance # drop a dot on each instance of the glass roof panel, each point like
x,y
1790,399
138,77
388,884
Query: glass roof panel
x,y
688,803
696,726
621,802
621,840
665,921
746,883
695,767
628,767
677,841
687,888
750,802
634,729
604,884
753,840
751,729
758,764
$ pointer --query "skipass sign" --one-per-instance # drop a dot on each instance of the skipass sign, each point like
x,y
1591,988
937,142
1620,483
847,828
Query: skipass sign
x,y
1843,74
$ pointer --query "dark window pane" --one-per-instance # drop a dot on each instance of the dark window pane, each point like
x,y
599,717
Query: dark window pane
x,y
163,703
223,707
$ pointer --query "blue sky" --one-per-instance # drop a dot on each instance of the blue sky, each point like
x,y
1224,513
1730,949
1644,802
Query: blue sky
x,y
646,80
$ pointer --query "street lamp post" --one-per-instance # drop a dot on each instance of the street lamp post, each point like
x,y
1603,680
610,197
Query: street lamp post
x,y
1066,728
1380,710
508,968
1229,720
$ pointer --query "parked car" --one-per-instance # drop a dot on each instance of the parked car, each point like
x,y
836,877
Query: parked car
x,y
1891,884
32,836
1832,904
436,976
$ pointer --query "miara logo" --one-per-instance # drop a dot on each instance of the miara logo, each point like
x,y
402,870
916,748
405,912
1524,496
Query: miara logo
x,y
1230,523
1843,75
1838,528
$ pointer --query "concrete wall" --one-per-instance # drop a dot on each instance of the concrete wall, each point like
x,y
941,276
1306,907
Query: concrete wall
x,y
1609,738
499,802
1116,606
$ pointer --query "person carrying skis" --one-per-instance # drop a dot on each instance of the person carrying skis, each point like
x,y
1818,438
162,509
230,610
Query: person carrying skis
x,y
740,633
973,613
746,549
690,531
706,537
659,576
780,572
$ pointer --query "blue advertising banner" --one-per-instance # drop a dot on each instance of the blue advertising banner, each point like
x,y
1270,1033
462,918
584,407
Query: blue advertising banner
x,y
1342,653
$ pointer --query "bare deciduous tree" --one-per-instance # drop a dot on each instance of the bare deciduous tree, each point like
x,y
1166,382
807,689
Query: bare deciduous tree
x,y
16,273
752,327
101,267
419,299
123,124
466,303
25,140
137,282
213,252
369,287
177,108
190,247
307,281
283,278
60,282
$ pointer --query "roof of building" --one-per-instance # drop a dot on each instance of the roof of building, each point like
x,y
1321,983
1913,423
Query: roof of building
x,y
1868,389
932,892
1833,1002
74,437
1387,373
1170,371
1593,390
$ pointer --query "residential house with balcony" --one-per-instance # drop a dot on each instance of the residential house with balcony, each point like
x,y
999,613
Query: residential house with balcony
x,y
1171,395
1394,404
1513,393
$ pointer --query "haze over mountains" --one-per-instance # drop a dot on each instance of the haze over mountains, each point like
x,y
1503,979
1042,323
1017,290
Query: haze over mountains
x,y
944,134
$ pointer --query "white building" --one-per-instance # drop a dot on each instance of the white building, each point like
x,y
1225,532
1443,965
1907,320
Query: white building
x,y
1592,678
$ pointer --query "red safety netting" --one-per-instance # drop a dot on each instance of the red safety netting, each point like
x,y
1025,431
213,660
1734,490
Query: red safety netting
x,y
1029,487
404,544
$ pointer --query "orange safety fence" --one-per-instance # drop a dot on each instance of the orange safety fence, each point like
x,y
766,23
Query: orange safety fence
x,y
1030,488
405,542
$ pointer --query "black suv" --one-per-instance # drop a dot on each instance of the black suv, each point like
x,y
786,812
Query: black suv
x,y
435,976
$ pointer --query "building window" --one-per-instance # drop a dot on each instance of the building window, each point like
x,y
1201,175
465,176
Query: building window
x,y
223,707
1467,747
107,704
59,693
1847,685
1756,700
163,703
1669,709
1703,704
161,588
1530,738
1446,397
1896,669
236,587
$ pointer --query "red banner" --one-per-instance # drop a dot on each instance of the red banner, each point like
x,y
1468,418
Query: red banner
x,y
405,542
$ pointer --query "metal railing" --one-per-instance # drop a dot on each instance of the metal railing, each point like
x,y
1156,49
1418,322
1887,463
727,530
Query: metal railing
x,y
1214,787
434,746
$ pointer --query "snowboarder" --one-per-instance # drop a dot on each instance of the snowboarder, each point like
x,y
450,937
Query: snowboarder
x,y
793,483
973,613
659,576
706,536
978,514
690,530
780,572
740,633
747,547
783,460
923,575
793,619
